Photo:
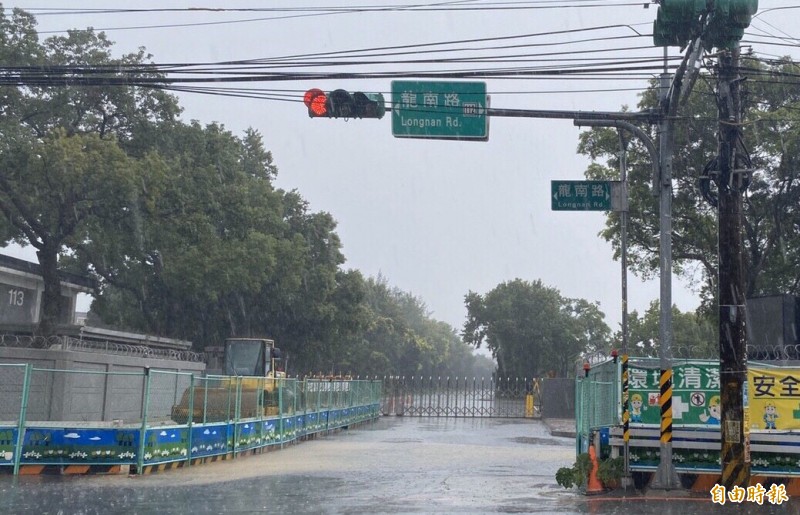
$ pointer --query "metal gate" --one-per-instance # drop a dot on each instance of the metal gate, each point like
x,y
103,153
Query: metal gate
x,y
461,397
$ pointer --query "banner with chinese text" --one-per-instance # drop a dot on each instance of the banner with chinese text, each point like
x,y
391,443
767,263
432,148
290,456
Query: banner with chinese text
x,y
774,398
695,394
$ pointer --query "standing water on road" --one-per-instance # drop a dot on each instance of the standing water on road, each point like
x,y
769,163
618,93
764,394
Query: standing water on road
x,y
395,465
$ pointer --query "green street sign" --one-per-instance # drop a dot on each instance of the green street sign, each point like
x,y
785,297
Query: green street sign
x,y
439,110
585,195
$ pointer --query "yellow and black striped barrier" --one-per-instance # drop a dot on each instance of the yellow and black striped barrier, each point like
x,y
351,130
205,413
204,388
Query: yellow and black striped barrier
x,y
666,405
626,430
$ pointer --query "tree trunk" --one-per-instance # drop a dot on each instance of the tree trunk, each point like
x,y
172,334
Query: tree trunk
x,y
51,298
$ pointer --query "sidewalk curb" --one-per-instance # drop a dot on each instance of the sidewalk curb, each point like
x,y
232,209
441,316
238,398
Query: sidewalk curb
x,y
558,427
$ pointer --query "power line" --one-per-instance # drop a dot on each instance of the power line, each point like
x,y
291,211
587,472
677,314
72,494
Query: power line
x,y
306,12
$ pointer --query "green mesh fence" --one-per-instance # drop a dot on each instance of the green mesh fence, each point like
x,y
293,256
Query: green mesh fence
x,y
597,400
58,418
11,386
84,395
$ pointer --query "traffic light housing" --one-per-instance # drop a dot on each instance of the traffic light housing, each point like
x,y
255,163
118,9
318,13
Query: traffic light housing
x,y
343,104
727,22
677,21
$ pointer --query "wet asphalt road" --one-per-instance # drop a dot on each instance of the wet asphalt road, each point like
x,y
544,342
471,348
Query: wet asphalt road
x,y
395,465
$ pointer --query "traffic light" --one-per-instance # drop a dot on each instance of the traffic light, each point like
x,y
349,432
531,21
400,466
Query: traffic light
x,y
343,104
677,21
317,102
727,22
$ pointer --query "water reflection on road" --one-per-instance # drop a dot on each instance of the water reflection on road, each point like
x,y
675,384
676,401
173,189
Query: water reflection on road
x,y
396,465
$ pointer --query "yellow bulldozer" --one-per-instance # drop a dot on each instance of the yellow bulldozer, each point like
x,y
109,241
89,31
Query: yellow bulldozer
x,y
249,387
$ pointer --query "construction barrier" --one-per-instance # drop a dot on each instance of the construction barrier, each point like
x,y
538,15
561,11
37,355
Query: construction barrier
x,y
229,418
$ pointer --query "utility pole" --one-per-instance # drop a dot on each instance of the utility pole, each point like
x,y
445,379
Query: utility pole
x,y
666,477
655,160
627,480
715,24
733,178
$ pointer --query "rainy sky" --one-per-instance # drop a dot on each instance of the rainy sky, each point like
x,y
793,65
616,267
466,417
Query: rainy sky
x,y
435,218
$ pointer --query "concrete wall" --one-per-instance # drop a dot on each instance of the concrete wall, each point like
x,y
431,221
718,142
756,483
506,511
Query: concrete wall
x,y
88,386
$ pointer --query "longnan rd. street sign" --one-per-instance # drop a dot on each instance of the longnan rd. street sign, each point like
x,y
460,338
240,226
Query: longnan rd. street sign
x,y
585,195
439,110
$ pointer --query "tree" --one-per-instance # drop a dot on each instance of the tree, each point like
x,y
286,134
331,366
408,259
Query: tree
x,y
63,164
531,329
219,252
694,335
771,223
52,189
181,224
401,339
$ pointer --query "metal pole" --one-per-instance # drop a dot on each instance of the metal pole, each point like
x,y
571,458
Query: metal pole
x,y
665,477
623,175
191,419
143,429
23,410
655,161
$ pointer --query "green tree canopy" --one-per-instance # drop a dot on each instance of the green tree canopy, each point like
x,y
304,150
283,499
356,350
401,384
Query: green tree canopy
x,y
531,329
694,335
402,339
182,226
64,167
771,102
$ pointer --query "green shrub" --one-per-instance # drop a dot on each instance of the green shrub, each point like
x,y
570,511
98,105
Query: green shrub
x,y
610,470
577,475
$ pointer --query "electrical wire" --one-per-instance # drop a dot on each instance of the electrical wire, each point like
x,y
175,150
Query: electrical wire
x,y
548,65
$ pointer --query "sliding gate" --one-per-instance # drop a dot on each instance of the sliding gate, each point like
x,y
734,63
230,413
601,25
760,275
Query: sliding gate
x,y
461,397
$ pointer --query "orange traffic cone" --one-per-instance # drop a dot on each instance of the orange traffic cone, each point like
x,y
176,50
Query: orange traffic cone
x,y
594,486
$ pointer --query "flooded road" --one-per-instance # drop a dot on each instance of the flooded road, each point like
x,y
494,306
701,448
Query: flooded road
x,y
395,465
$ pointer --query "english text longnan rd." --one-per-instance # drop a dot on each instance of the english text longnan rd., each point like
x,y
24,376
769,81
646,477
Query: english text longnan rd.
x,y
419,122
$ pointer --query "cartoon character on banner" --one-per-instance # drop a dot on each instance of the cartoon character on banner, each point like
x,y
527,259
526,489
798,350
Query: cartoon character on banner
x,y
714,412
636,407
770,415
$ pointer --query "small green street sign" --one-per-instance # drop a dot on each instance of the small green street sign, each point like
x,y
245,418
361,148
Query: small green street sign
x,y
439,110
585,195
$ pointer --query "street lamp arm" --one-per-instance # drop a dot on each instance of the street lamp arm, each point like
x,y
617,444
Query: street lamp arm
x,y
639,133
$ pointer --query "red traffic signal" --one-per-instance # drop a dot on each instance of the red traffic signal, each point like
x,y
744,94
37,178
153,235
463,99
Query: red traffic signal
x,y
317,102
343,104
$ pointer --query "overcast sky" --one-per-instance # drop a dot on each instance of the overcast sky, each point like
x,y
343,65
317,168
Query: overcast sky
x,y
435,218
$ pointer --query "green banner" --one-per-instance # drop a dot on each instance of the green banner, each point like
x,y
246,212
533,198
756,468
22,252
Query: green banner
x,y
695,394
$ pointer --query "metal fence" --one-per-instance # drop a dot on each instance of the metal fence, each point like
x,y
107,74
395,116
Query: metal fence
x,y
598,400
70,343
461,397
156,417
